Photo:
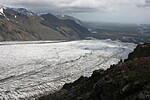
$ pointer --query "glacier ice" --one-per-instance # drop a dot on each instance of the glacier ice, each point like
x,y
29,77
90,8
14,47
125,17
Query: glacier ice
x,y
30,69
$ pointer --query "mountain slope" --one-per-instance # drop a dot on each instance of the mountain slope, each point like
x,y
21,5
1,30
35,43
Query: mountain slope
x,y
22,11
64,17
21,26
68,28
127,80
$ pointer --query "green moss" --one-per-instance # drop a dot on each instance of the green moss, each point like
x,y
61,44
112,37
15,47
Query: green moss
x,y
131,78
118,76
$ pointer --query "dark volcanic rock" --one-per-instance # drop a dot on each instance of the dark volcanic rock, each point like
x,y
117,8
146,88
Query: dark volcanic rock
x,y
125,81
141,51
129,80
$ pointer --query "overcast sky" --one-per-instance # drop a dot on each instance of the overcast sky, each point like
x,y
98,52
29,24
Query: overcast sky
x,y
126,11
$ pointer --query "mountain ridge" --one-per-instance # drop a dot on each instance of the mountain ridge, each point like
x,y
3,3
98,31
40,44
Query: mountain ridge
x,y
64,17
22,26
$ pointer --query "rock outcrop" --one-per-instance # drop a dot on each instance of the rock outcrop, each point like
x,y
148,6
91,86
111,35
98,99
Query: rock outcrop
x,y
128,80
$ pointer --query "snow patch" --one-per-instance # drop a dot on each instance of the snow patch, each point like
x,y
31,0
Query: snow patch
x,y
2,13
62,16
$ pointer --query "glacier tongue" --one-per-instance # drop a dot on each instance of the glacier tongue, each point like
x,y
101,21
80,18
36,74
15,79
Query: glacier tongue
x,y
30,70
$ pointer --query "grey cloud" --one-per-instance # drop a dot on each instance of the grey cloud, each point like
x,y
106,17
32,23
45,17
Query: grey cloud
x,y
40,8
147,2
52,7
70,6
79,10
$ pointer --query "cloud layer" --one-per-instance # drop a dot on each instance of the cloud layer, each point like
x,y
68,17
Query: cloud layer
x,y
147,2
74,6
128,11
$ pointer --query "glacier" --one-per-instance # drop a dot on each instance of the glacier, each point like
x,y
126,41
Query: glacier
x,y
34,68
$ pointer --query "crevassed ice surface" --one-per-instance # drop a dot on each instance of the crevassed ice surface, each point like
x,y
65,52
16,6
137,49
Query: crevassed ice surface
x,y
28,70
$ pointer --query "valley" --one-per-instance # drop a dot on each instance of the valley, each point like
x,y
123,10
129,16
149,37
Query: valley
x,y
47,55
137,33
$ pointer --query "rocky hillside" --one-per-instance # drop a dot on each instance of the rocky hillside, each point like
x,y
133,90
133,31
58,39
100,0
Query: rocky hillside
x,y
140,51
128,80
21,24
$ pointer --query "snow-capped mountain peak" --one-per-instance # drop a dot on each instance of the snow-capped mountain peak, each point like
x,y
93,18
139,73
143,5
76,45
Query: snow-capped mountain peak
x,y
23,11
19,10
2,13
62,15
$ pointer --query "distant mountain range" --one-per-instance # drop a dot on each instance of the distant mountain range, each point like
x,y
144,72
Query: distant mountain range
x,y
22,24
22,11
126,32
